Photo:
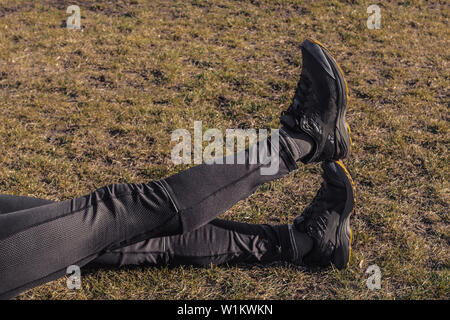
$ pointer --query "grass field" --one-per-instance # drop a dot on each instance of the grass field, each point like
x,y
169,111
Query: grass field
x,y
81,109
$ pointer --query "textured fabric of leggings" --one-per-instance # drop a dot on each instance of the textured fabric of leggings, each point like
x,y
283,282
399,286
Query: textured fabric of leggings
x,y
218,242
37,244
214,188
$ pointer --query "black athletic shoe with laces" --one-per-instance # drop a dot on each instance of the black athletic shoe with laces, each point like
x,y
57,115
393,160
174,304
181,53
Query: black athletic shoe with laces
x,y
327,219
319,105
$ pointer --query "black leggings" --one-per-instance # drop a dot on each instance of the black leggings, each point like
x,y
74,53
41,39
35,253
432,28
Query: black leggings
x,y
218,242
38,243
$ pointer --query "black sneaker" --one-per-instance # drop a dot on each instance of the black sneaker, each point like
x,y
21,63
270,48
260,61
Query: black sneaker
x,y
327,219
319,105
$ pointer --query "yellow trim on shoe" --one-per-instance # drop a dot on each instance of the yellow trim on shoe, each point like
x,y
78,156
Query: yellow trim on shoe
x,y
349,135
339,162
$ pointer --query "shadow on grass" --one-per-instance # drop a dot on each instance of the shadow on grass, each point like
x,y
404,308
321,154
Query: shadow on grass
x,y
94,267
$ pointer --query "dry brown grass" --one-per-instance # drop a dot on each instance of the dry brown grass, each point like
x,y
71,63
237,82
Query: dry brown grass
x,y
83,109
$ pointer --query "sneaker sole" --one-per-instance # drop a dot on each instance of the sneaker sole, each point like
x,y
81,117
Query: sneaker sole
x,y
342,253
343,129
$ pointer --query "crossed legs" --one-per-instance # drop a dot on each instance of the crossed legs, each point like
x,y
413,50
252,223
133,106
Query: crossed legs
x,y
38,243
218,242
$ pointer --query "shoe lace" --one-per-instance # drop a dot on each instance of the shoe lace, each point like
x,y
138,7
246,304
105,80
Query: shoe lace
x,y
317,200
301,97
303,89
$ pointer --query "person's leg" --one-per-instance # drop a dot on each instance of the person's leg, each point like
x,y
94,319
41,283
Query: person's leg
x,y
204,191
12,203
37,244
217,242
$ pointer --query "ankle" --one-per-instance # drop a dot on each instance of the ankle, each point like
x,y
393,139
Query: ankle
x,y
294,244
301,244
